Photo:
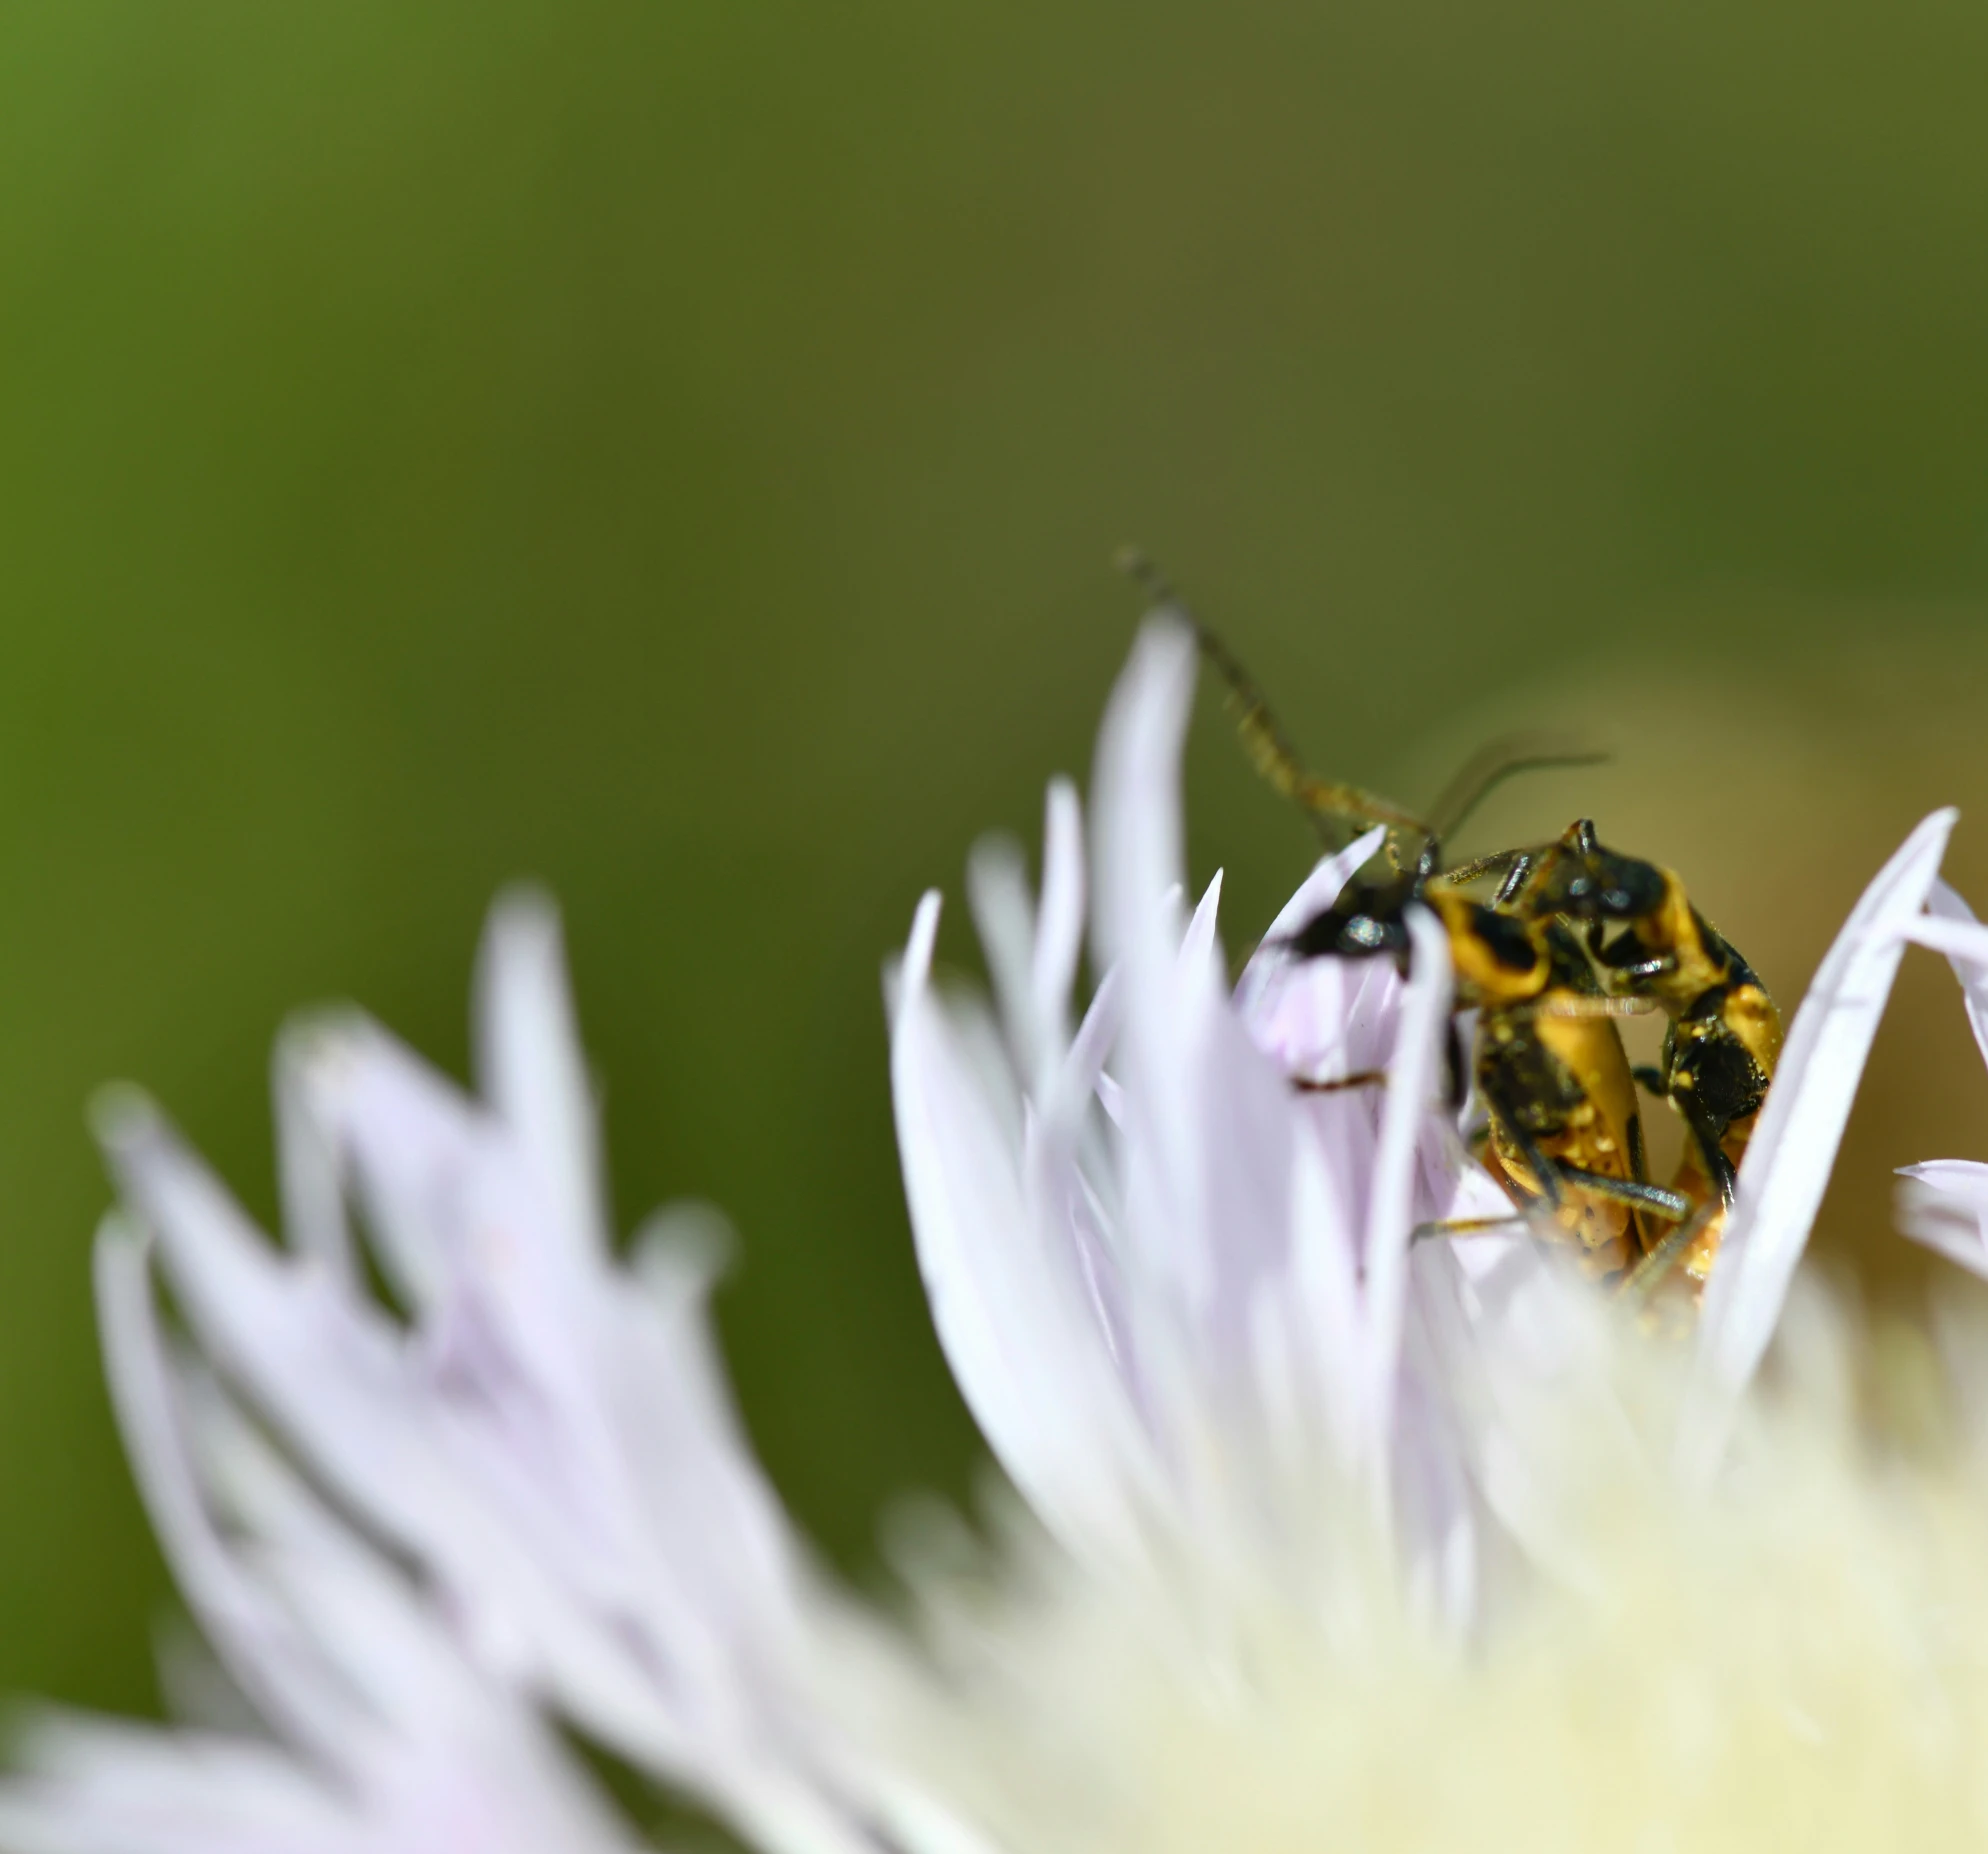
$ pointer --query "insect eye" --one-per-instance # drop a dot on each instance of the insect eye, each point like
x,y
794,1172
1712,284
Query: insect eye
x,y
1363,931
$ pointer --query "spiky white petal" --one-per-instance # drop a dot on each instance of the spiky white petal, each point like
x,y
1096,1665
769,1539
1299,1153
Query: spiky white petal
x,y
1793,1149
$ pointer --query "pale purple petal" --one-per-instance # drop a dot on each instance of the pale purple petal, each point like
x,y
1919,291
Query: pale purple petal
x,y
1008,1296
313,1192
533,1071
99,1787
1032,950
1433,1507
1944,1204
997,892
1788,1161
1135,843
1949,927
1210,1123
1199,949
1327,1308
1059,936
1412,1087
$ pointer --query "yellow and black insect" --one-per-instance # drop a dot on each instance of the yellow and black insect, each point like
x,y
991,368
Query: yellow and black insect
x,y
1648,941
1564,1130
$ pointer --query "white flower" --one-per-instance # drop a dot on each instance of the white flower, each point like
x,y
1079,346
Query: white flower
x,y
1345,1537
533,1501
1161,1334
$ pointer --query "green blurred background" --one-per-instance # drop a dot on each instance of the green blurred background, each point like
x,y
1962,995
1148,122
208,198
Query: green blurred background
x,y
675,451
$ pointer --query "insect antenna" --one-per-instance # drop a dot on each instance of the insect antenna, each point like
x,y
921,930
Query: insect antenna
x,y
1338,812
1495,762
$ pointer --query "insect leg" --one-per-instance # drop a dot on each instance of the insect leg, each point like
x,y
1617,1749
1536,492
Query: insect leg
x,y
1706,1135
1453,1089
1591,1007
1642,1280
1639,1169
1502,1108
1467,1226
1516,879
1660,1200
1456,1084
1363,1078
1628,959
1498,863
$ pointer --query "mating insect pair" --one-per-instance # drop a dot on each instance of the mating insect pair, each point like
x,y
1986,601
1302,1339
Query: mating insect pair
x,y
1577,936
1574,937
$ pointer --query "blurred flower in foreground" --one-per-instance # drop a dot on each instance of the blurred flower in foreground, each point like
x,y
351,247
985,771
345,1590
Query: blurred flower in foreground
x,y
1330,1538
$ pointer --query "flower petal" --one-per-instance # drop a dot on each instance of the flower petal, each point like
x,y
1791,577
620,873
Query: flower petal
x,y
1008,1299
1944,1204
1788,1161
1411,1088
1059,933
532,1069
1210,1122
1948,926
